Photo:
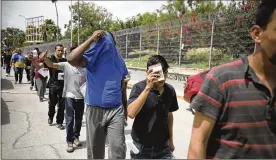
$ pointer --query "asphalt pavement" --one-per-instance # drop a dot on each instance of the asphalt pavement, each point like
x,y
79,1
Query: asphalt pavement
x,y
27,135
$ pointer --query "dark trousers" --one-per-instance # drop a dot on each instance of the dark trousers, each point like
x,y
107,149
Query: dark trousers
x,y
18,73
28,74
74,109
8,68
32,77
162,152
55,98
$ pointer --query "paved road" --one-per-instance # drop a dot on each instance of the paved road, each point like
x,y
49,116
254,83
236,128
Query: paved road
x,y
26,134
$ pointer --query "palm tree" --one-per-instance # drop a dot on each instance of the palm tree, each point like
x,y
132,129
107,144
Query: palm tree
x,y
55,2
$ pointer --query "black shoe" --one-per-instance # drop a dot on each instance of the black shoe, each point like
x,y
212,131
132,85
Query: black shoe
x,y
41,99
50,121
20,82
60,126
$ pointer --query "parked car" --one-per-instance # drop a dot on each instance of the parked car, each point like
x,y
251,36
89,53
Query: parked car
x,y
192,87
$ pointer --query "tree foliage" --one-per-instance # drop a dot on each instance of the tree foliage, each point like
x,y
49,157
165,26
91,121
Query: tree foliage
x,y
12,38
92,17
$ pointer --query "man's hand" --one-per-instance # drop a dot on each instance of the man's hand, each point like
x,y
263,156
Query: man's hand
x,y
97,35
151,78
171,146
43,55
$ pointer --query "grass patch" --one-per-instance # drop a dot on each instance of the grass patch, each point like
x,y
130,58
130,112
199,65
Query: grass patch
x,y
136,62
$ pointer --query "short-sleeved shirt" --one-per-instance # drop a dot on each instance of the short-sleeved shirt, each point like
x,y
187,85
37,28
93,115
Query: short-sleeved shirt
x,y
240,103
150,126
105,71
74,78
53,80
19,60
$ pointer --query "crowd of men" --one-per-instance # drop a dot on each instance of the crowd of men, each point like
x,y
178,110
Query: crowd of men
x,y
235,109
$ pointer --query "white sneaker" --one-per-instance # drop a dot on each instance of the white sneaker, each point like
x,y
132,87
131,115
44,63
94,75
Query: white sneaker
x,y
7,75
29,82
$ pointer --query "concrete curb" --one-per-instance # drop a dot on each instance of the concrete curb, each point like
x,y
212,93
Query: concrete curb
x,y
130,84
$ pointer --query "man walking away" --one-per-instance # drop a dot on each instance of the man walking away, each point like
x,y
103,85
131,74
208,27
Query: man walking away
x,y
56,84
105,77
74,78
152,104
7,60
18,61
235,108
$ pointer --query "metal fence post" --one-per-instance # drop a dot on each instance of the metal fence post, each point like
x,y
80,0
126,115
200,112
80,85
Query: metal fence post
x,y
140,46
180,44
211,45
126,46
158,38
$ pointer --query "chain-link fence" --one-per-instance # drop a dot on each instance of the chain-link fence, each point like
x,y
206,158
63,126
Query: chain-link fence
x,y
188,43
47,46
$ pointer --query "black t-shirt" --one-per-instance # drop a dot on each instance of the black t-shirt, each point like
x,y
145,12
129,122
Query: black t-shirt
x,y
150,127
7,58
53,81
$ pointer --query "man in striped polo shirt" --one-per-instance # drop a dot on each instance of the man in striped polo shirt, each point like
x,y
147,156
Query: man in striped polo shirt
x,y
236,106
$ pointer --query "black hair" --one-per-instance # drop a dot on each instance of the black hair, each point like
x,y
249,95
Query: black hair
x,y
155,59
265,12
58,45
73,47
112,37
37,50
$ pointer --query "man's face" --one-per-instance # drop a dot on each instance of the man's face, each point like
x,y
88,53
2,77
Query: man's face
x,y
30,56
268,39
59,51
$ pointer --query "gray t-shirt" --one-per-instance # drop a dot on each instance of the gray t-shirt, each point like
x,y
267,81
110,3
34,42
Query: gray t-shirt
x,y
74,78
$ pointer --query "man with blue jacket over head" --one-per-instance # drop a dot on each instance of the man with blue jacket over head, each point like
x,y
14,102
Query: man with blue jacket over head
x,y
105,94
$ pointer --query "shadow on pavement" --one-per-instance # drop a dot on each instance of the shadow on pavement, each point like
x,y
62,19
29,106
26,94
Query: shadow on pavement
x,y
6,84
81,147
5,114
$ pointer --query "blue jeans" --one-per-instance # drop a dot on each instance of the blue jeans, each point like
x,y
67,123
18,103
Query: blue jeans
x,y
163,152
74,112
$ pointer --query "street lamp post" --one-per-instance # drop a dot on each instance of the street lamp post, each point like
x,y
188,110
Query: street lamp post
x,y
55,2
25,22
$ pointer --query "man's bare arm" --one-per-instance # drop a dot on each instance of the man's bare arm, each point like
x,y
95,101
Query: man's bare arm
x,y
76,57
170,126
202,129
38,66
124,96
50,64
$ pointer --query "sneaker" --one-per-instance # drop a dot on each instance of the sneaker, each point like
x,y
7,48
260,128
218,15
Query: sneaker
x,y
77,142
7,75
70,148
31,88
29,82
15,82
60,126
41,99
20,82
50,121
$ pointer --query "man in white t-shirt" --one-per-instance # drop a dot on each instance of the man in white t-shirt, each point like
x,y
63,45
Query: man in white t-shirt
x,y
74,78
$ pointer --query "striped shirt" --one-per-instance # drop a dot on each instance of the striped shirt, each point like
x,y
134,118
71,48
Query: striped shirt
x,y
244,110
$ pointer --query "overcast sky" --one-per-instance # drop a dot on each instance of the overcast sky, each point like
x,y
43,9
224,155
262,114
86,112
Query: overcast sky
x,y
121,9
